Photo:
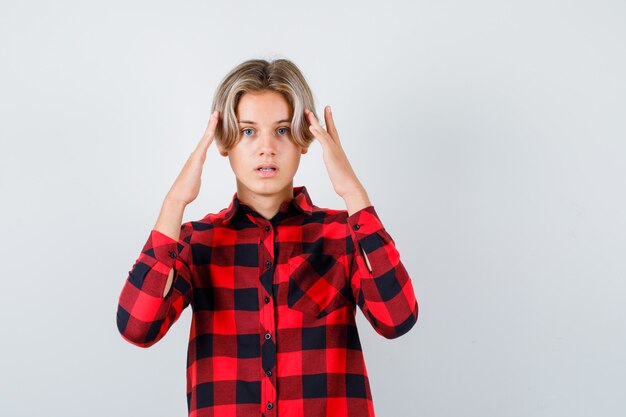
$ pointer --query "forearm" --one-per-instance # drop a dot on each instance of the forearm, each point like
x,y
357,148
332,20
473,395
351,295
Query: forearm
x,y
171,217
380,283
150,302
169,222
355,201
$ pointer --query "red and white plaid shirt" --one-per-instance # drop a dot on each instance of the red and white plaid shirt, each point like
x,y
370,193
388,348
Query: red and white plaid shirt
x,y
273,331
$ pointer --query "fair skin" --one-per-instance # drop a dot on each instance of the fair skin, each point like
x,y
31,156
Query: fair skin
x,y
265,140
265,137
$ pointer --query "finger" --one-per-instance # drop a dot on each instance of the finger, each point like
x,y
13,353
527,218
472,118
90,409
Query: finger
x,y
315,127
310,117
317,135
209,133
330,123
210,129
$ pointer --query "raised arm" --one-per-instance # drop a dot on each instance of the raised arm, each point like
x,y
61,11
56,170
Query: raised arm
x,y
159,287
380,283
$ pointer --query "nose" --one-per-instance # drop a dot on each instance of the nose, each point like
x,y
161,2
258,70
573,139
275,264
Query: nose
x,y
267,143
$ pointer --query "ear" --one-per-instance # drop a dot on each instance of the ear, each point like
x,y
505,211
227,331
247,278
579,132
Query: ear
x,y
304,150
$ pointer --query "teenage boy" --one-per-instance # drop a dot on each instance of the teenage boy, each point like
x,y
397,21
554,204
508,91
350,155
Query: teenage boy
x,y
273,280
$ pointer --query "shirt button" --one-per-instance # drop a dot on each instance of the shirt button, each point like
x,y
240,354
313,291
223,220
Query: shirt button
x,y
267,228
270,406
268,264
356,227
268,373
267,299
172,254
268,336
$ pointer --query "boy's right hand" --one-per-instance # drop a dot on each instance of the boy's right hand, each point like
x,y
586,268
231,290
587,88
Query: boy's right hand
x,y
187,184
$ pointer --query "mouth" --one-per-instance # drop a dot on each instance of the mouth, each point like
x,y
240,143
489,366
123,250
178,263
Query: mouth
x,y
266,174
267,167
266,170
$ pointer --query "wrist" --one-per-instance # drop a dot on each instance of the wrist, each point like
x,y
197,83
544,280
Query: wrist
x,y
356,200
355,192
174,202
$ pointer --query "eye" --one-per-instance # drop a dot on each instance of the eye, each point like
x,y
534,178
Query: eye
x,y
285,129
245,130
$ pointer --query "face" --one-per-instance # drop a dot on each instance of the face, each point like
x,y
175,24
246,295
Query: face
x,y
264,137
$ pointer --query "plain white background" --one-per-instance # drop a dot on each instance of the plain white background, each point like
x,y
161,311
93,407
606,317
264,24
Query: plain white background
x,y
488,134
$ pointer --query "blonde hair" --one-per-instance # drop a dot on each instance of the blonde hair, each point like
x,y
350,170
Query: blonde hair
x,y
254,75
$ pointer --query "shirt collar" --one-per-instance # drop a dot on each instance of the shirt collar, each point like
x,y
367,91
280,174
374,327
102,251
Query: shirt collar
x,y
301,200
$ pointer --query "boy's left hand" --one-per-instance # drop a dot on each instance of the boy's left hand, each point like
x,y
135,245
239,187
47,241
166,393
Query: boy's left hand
x,y
340,171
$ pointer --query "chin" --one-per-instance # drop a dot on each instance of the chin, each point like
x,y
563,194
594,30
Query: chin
x,y
264,186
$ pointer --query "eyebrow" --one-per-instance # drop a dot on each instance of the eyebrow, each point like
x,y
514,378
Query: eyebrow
x,y
253,123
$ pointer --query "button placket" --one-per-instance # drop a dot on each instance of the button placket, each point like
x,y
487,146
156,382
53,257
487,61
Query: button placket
x,y
268,348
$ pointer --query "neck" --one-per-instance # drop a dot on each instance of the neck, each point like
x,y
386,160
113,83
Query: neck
x,y
267,205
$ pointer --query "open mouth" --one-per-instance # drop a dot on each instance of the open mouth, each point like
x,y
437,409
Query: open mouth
x,y
266,172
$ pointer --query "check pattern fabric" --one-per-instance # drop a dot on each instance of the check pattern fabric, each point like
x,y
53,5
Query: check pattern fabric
x,y
273,331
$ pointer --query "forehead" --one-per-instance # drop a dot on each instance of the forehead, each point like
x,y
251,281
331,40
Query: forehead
x,y
263,106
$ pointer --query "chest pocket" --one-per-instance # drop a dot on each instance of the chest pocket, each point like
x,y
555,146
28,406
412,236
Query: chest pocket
x,y
318,285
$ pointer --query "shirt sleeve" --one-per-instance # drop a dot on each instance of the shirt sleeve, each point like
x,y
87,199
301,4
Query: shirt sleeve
x,y
384,291
143,315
